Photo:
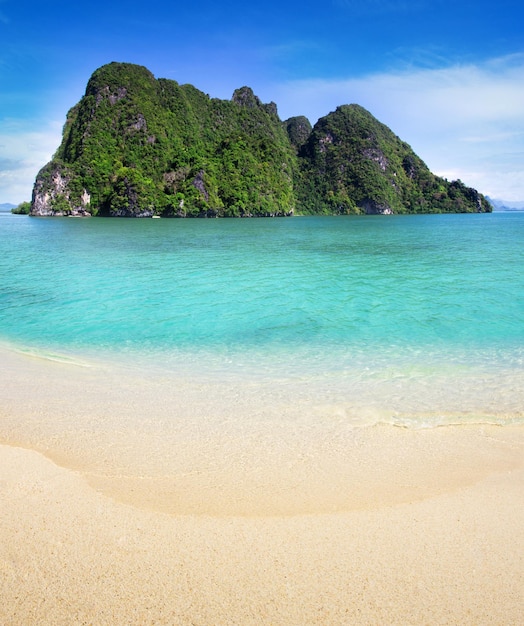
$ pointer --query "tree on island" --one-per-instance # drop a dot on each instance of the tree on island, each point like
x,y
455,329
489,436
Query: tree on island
x,y
24,208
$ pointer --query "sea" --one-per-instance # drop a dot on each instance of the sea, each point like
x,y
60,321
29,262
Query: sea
x,y
413,320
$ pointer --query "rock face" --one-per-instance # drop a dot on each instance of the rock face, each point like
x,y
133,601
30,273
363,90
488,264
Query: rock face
x,y
135,146
52,194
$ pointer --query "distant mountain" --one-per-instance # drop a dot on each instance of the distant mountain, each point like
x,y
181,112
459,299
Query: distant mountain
x,y
6,207
135,146
506,205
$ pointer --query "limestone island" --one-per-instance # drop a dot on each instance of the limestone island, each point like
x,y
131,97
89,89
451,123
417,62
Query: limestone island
x,y
137,146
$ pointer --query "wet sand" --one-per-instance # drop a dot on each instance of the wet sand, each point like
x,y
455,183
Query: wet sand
x,y
245,517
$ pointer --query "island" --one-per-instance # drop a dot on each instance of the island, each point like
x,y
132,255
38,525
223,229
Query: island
x,y
137,146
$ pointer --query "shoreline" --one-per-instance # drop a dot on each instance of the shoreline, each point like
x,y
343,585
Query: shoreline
x,y
379,467
121,505
182,447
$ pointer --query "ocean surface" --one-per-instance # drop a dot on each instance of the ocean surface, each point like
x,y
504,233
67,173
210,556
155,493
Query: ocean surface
x,y
414,320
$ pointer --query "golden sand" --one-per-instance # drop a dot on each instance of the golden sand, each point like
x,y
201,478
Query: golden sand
x,y
126,508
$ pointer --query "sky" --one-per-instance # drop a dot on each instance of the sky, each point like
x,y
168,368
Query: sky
x,y
446,76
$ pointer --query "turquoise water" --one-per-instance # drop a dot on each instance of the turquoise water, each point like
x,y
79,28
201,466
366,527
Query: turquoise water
x,y
346,298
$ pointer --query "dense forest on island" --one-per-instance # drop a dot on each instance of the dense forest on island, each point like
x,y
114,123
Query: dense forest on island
x,y
137,146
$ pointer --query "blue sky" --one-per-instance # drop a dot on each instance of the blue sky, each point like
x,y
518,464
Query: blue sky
x,y
447,77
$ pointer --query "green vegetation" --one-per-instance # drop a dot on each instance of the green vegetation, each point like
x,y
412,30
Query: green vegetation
x,y
24,208
137,146
351,163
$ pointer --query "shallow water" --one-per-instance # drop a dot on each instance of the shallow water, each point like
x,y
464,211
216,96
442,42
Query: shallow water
x,y
414,320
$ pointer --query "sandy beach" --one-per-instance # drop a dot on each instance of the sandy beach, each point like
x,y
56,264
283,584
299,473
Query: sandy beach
x,y
252,521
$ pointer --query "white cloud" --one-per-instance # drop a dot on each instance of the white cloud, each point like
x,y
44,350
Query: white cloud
x,y
465,121
24,149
